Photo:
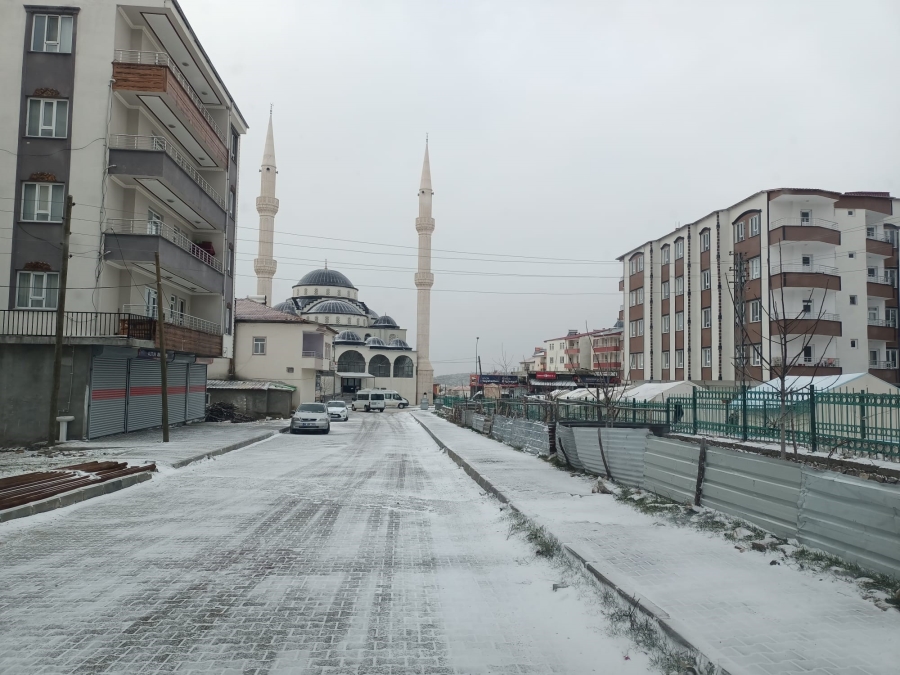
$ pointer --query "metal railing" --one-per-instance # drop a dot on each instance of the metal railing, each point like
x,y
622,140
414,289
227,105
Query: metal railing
x,y
42,323
885,279
803,222
157,228
802,269
807,316
311,355
882,365
160,144
881,237
885,323
175,318
808,362
163,59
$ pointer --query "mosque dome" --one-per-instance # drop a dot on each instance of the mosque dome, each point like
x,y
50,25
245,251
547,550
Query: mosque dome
x,y
385,322
375,342
397,343
287,307
325,277
348,337
333,307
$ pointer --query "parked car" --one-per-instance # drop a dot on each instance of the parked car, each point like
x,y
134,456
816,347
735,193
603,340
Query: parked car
x,y
311,417
337,410
368,400
394,400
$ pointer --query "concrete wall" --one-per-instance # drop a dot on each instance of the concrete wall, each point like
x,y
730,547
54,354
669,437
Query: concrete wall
x,y
255,403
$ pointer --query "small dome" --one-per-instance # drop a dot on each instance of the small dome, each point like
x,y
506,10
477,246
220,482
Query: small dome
x,y
375,342
348,337
385,322
325,278
397,343
333,307
287,307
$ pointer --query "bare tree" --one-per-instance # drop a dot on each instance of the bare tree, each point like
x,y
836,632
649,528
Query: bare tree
x,y
504,363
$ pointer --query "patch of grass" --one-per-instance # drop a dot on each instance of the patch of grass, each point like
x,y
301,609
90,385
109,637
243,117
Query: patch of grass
x,y
819,562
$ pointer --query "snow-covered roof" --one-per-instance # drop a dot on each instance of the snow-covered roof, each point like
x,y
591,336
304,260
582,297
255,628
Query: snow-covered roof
x,y
249,384
653,391
821,382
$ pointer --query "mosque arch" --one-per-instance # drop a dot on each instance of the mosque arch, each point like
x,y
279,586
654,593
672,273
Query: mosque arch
x,y
351,361
403,366
380,366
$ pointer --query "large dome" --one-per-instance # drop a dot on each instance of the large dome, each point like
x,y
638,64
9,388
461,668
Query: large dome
x,y
348,337
385,322
375,342
325,278
333,307
397,343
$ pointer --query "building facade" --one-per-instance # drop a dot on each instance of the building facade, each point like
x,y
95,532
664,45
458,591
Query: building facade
x,y
118,105
795,279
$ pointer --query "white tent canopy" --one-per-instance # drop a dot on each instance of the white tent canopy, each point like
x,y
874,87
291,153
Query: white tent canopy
x,y
660,391
848,382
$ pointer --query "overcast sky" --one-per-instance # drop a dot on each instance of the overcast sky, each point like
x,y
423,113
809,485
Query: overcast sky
x,y
559,130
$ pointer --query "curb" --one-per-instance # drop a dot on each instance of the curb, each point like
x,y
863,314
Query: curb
x,y
75,496
221,451
636,600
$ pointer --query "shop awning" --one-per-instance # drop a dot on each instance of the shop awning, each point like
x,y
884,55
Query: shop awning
x,y
357,376
555,384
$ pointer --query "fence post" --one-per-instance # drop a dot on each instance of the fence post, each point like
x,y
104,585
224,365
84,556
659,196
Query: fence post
x,y
668,416
744,412
813,436
694,409
701,472
862,415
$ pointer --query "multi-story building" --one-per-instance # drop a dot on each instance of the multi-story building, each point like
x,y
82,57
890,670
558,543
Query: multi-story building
x,y
537,362
116,104
808,272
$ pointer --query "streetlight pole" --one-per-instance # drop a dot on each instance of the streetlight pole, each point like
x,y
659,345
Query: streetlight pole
x,y
477,379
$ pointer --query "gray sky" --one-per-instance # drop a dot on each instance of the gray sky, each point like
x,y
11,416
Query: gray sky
x,y
560,130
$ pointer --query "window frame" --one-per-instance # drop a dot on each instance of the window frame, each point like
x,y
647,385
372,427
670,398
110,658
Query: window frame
x,y
665,255
706,357
756,355
679,285
679,322
41,126
755,267
706,317
65,34
679,358
679,249
259,340
704,241
45,287
666,321
756,311
664,290
666,360
54,187
705,280
739,231
754,226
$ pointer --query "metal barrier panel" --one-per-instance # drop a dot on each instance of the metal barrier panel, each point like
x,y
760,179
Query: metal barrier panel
x,y
670,468
625,453
858,520
565,443
478,423
761,490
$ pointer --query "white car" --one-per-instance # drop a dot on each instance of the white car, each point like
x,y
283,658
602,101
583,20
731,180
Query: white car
x,y
311,417
337,410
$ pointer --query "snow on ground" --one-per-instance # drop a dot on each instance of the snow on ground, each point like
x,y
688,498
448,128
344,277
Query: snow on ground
x,y
363,551
748,615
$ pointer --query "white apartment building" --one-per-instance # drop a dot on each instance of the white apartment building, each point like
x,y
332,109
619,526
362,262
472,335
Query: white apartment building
x,y
598,351
819,267
116,104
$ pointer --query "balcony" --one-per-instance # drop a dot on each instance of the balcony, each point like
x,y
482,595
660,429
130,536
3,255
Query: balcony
x,y
109,328
885,370
881,245
136,241
798,275
808,324
882,329
184,333
880,286
573,350
162,169
804,229
808,366
571,366
153,80
608,348
314,360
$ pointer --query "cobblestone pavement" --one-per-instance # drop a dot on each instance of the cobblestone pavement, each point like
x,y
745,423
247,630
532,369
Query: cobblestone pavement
x,y
363,551
746,614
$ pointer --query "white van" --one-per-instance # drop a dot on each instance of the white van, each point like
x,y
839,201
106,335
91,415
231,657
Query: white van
x,y
394,400
368,400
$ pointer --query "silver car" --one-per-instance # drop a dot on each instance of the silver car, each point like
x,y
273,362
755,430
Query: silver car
x,y
337,410
311,417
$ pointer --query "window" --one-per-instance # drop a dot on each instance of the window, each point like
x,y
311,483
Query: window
x,y
552,346
873,272
706,354
807,306
853,300
679,249
228,319
259,346
850,212
890,316
705,280
756,355
679,358
640,295
739,231
755,311
37,290
805,217
740,355
43,202
562,359
636,297
632,361
640,262
47,117
679,285
235,139
755,268
665,323
640,326
851,255
664,288
52,33
870,231
707,317
873,313
154,221
854,344
679,321
664,252
873,358
890,355
632,328
637,264
229,260
704,241
231,202
551,359
665,361
640,360
754,226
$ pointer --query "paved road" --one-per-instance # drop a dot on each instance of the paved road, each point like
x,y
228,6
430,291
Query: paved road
x,y
363,551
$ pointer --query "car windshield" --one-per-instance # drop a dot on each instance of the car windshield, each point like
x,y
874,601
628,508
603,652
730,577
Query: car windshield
x,y
336,404
311,407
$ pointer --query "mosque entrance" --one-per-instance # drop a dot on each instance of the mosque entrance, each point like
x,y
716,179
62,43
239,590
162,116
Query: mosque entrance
x,y
350,385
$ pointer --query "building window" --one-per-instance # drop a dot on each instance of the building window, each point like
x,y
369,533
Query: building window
x,y
551,359
873,358
707,317
679,285
664,288
679,358
640,360
47,117
665,323
704,241
231,201
562,359
43,202
679,249
706,353
755,311
705,280
853,300
632,328
854,344
664,253
756,355
640,326
873,313
890,355
259,346
52,33
37,290
637,264
739,231
850,212
235,139
679,321
755,268
665,361
754,226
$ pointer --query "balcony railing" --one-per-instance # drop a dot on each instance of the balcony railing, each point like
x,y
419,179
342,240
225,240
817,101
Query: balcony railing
x,y
882,365
311,355
811,316
800,268
803,222
160,144
885,279
175,318
809,362
163,59
154,227
42,323
881,237
885,323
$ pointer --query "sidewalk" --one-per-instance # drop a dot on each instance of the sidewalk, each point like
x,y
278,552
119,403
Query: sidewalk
x,y
736,608
188,443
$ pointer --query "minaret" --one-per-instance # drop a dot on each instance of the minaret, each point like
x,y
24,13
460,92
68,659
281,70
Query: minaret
x,y
267,207
424,282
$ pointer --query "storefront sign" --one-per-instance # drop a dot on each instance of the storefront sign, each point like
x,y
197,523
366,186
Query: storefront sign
x,y
545,376
153,354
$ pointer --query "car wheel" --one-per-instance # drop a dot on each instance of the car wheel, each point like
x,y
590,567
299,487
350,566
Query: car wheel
x,y
327,429
295,431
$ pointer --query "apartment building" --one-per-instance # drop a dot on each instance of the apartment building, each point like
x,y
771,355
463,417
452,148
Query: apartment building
x,y
812,270
577,359
536,363
116,104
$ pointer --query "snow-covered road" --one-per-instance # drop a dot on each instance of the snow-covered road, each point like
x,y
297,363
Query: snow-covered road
x,y
363,551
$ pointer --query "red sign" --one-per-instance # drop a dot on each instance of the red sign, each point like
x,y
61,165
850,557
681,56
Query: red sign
x,y
545,376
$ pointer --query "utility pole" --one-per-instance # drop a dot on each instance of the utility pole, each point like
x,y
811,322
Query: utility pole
x,y
60,322
163,363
